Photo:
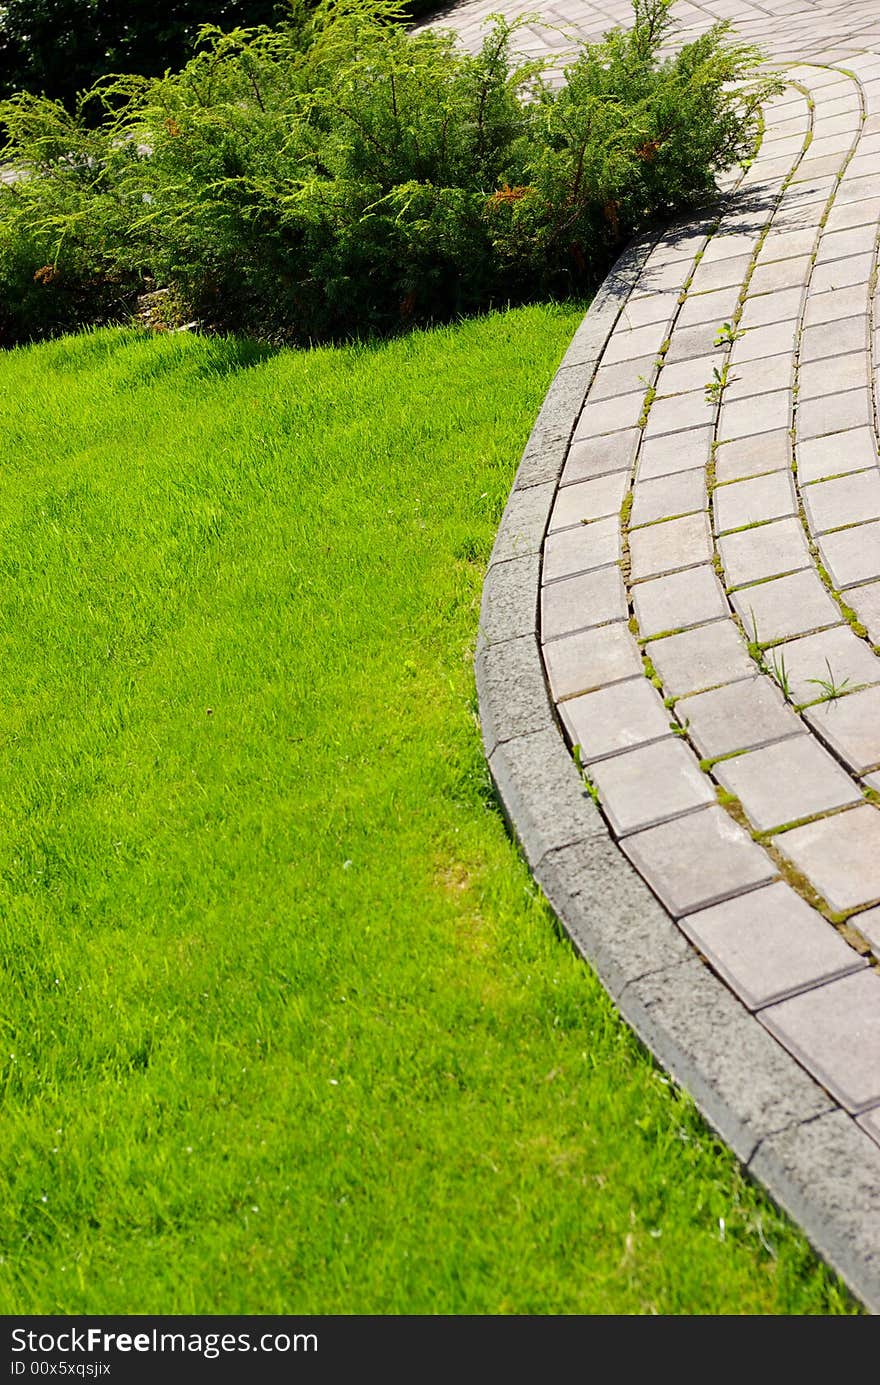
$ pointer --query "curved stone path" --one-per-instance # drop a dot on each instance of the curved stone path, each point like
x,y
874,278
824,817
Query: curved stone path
x,y
678,660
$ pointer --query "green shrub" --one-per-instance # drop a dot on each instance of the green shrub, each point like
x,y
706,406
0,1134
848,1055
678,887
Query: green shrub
x,y
347,176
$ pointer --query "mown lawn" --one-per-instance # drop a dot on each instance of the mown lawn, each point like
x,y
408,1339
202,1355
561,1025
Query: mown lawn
x,y
285,1025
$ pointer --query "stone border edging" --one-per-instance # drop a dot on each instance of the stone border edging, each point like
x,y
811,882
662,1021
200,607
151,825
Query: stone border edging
x,y
809,1155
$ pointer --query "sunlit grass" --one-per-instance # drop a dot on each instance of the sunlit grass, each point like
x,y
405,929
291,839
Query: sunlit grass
x,y
286,1027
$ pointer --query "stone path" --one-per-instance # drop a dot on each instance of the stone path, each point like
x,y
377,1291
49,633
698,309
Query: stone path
x,y
690,564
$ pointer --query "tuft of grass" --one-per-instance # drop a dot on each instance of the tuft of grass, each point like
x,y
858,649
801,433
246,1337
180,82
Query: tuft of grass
x,y
287,1025
830,687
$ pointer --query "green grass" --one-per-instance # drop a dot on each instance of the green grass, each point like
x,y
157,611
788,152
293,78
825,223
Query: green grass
x,y
286,1027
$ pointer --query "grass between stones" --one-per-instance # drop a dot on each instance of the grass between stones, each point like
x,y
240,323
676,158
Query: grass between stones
x,y
286,1026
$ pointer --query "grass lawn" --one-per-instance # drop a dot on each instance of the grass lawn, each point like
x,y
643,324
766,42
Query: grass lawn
x,y
285,1026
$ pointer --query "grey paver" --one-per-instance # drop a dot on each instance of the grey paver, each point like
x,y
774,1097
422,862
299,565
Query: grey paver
x,y
579,602
753,456
781,274
789,145
610,415
725,245
753,501
718,306
591,659
674,452
685,376
830,339
861,166
786,245
737,716
589,500
677,412
834,1030
687,342
845,500
870,1122
769,944
839,274
766,175
698,860
851,726
720,274
773,340
805,197
834,412
839,855
785,606
767,309
794,216
662,275
678,600
643,309
626,377
818,166
857,240
765,551
668,496
834,454
613,719
834,305
852,555
832,374
598,456
777,127
868,924
837,655
784,782
627,343
650,784
764,376
865,601
845,101
679,244
842,216
678,543
834,134
809,193
762,413
701,658
578,550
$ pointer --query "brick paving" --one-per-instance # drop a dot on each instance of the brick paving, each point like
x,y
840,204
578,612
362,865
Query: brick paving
x,y
725,699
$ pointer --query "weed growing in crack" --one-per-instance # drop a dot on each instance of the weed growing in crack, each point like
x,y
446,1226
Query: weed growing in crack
x,y
581,769
754,645
719,382
728,334
780,673
830,687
